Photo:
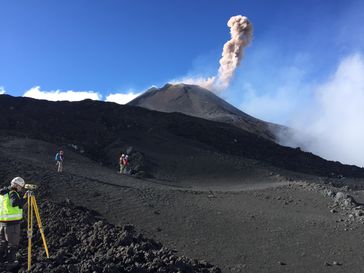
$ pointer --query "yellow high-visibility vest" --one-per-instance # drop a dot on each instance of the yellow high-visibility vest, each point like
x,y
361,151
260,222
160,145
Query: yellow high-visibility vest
x,y
7,211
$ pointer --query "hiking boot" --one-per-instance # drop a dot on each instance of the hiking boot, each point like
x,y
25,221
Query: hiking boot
x,y
2,253
11,255
12,262
11,266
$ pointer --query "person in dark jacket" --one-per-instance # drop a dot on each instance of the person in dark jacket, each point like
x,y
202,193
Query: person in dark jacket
x,y
11,214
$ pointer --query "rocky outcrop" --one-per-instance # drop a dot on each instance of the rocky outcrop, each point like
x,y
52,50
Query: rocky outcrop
x,y
79,241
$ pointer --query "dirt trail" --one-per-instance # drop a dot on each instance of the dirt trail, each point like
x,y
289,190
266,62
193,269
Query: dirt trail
x,y
239,227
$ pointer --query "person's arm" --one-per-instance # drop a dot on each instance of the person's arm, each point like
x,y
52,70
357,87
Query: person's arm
x,y
16,200
4,191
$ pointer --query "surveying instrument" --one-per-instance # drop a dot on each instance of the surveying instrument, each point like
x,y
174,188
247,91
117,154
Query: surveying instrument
x,y
33,207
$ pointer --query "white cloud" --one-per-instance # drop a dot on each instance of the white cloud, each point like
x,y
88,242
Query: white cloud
x,y
2,90
71,95
277,101
57,95
335,119
273,107
121,98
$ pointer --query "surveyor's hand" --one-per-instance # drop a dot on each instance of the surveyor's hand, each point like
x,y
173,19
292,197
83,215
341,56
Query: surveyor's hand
x,y
26,194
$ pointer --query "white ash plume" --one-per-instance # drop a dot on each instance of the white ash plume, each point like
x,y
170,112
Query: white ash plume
x,y
200,81
241,31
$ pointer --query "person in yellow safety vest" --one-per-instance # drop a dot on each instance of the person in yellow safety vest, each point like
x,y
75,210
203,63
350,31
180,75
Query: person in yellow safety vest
x,y
11,214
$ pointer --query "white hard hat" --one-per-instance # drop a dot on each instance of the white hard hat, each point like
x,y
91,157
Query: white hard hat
x,y
18,181
126,156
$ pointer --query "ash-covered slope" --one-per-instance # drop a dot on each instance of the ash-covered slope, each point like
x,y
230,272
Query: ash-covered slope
x,y
79,239
196,101
165,145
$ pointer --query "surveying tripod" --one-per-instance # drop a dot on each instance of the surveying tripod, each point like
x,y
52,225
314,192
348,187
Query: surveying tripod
x,y
32,206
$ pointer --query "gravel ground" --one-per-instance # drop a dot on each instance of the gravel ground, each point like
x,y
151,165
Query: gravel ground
x,y
267,221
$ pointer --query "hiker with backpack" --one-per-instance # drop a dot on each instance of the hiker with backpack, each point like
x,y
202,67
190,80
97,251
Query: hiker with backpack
x,y
59,161
126,162
121,163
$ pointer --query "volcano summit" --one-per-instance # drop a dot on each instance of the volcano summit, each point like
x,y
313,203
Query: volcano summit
x,y
196,101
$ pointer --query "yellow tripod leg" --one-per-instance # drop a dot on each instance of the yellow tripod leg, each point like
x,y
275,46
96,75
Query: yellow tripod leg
x,y
37,215
30,231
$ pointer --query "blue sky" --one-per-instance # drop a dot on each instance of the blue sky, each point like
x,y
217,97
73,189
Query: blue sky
x,y
114,47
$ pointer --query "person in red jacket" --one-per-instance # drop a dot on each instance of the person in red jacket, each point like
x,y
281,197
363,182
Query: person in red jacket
x,y
121,163
126,162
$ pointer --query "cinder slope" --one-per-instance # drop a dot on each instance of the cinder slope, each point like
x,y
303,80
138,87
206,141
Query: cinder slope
x,y
169,146
277,230
196,101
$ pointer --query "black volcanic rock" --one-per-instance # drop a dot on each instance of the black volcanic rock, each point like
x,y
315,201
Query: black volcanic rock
x,y
196,101
80,240
92,245
166,144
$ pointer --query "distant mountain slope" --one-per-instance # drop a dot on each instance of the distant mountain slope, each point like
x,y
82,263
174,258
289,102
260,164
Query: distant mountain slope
x,y
196,101
167,145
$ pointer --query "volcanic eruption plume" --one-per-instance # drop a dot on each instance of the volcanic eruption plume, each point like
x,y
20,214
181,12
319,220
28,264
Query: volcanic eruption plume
x,y
241,31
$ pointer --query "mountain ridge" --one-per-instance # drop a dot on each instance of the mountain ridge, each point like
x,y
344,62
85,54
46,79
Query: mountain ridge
x,y
163,144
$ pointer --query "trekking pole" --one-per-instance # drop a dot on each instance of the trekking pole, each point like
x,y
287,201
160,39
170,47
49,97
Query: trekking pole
x,y
32,205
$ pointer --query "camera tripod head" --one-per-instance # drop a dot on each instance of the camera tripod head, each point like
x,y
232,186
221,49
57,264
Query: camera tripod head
x,y
30,187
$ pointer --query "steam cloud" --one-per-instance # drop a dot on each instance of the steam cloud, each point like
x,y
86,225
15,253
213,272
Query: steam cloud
x,y
241,31
333,127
